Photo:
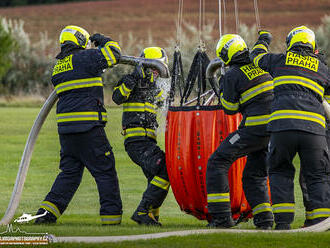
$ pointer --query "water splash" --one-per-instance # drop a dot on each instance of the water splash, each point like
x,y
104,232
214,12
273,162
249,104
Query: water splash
x,y
165,85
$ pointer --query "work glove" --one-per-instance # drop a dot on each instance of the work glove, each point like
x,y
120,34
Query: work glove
x,y
265,36
139,72
99,39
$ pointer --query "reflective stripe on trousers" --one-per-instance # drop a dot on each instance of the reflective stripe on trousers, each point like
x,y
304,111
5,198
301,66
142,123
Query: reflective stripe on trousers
x,y
139,107
160,182
111,219
218,197
51,207
318,213
283,208
263,207
139,131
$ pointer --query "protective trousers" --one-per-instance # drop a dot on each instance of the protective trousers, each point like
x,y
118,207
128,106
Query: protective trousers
x,y
151,159
90,149
303,182
236,145
315,175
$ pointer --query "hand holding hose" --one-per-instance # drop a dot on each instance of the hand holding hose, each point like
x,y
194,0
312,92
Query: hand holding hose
x,y
139,72
99,39
265,36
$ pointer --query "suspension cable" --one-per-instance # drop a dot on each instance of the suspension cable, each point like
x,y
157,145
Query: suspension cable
x,y
179,24
200,22
203,26
236,16
256,11
224,16
220,30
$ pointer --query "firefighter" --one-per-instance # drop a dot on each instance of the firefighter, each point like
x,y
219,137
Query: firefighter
x,y
249,90
81,118
140,95
326,96
297,125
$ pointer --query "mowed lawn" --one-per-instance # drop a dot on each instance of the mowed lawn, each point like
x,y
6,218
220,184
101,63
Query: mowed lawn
x,y
82,216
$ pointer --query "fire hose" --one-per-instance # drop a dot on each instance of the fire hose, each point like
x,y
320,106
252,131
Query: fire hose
x,y
211,69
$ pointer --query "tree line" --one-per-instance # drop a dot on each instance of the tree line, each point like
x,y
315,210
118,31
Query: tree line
x,y
13,3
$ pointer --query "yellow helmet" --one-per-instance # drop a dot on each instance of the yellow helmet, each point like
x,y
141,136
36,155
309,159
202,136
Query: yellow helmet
x,y
229,47
155,53
75,34
301,36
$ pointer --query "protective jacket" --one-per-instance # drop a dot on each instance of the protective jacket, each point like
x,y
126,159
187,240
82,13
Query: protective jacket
x,y
249,90
299,85
140,98
78,83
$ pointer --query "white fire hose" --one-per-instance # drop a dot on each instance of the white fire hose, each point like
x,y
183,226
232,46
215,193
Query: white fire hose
x,y
26,158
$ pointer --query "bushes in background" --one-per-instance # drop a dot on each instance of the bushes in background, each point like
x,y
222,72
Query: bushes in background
x,y
31,63
8,46
323,37
26,67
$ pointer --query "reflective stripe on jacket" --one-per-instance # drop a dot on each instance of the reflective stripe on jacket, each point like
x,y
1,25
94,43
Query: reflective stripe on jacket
x,y
81,116
78,84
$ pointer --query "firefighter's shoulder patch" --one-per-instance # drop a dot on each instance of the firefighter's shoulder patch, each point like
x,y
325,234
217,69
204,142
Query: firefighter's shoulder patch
x,y
307,62
63,65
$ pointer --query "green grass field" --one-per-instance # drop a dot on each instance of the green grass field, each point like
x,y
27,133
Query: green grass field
x,y
82,218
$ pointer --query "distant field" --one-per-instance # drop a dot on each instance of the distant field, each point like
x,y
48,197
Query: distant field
x,y
119,17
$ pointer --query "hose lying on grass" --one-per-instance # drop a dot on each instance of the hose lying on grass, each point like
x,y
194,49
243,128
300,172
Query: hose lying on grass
x,y
320,227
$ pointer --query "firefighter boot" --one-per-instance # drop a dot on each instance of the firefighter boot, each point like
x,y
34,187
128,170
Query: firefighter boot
x,y
282,226
142,216
221,222
49,218
264,220
314,221
155,212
